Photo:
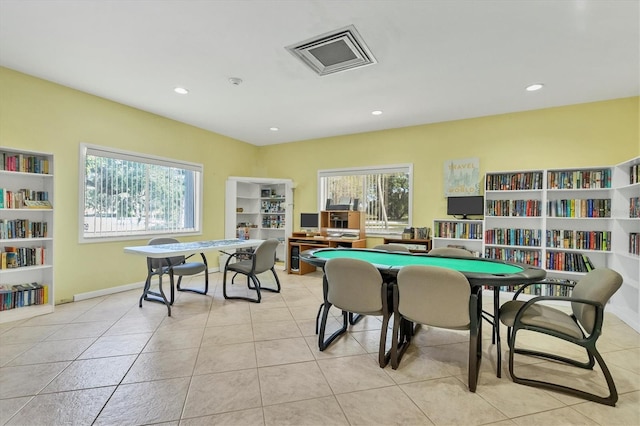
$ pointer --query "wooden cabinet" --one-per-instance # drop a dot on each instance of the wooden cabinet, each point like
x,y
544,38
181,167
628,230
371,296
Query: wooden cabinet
x,y
414,245
26,234
341,222
300,242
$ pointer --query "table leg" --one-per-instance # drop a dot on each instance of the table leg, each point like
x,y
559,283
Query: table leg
x,y
496,329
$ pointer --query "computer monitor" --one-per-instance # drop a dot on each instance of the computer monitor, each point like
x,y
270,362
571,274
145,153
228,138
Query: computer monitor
x,y
465,206
309,221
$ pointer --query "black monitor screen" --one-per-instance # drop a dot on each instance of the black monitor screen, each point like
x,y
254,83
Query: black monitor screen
x,y
308,220
464,206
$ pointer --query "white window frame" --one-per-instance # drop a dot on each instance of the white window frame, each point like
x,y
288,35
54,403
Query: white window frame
x,y
108,152
367,170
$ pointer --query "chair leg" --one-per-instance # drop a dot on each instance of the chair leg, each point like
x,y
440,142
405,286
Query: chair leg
x,y
195,290
147,285
593,354
317,317
322,342
250,279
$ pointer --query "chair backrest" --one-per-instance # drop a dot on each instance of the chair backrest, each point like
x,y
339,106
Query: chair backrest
x,y
450,252
392,247
434,296
157,263
265,255
354,285
598,286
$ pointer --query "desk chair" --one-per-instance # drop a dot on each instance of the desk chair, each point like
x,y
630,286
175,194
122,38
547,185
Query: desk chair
x,y
449,252
355,287
438,297
176,265
261,260
581,327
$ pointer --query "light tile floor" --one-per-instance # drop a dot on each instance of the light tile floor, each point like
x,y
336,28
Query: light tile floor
x,y
105,361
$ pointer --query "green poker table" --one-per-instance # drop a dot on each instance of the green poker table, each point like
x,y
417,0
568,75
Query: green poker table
x,y
484,273
480,272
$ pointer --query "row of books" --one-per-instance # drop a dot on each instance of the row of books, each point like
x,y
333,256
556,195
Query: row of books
x,y
583,240
20,295
23,163
579,208
514,237
22,228
530,257
526,208
514,181
566,261
579,179
23,198
18,257
634,207
546,288
634,243
634,174
464,230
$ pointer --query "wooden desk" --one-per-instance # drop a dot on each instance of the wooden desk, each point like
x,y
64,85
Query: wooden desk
x,y
296,244
425,243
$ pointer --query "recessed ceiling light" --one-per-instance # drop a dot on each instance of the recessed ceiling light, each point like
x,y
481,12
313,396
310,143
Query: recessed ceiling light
x,y
181,90
376,112
274,129
534,87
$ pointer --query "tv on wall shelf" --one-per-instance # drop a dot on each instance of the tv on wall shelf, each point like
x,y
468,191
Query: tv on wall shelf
x,y
472,205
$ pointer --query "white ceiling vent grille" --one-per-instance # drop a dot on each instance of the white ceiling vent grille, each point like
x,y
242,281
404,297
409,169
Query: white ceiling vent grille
x,y
332,52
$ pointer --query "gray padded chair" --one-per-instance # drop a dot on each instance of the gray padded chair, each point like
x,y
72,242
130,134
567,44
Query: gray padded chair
x,y
176,265
450,252
355,287
581,327
437,297
392,247
384,247
263,259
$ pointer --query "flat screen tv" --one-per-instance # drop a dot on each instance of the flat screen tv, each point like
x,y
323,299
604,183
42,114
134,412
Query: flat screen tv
x,y
309,221
465,206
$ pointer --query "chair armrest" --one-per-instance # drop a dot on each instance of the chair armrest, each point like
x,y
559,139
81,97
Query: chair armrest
x,y
533,301
552,283
251,255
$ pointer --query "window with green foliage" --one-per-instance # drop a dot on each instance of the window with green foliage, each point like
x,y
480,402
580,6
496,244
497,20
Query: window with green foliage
x,y
125,195
383,194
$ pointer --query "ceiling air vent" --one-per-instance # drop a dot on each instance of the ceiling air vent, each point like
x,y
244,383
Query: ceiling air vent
x,y
332,52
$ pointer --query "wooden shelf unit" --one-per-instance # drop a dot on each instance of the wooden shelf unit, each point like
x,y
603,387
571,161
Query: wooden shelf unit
x,y
411,244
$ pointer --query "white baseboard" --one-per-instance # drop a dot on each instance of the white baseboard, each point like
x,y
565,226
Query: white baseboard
x,y
118,289
107,291
627,316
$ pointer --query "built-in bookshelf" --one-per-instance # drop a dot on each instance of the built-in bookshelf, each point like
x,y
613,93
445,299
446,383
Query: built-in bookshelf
x,y
463,233
26,234
625,213
569,221
259,208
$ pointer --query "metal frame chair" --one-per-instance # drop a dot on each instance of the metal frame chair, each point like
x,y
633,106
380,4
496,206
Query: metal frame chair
x,y
355,287
261,260
437,297
176,265
581,327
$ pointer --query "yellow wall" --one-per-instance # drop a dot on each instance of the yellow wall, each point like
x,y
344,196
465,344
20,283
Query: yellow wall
x,y
594,134
42,116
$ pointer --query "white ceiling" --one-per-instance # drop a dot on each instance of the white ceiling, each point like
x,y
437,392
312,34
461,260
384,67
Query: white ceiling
x,y
438,60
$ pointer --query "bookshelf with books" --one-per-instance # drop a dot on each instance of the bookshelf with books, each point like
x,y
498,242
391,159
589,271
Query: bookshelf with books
x,y
259,208
463,233
625,239
513,217
26,240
